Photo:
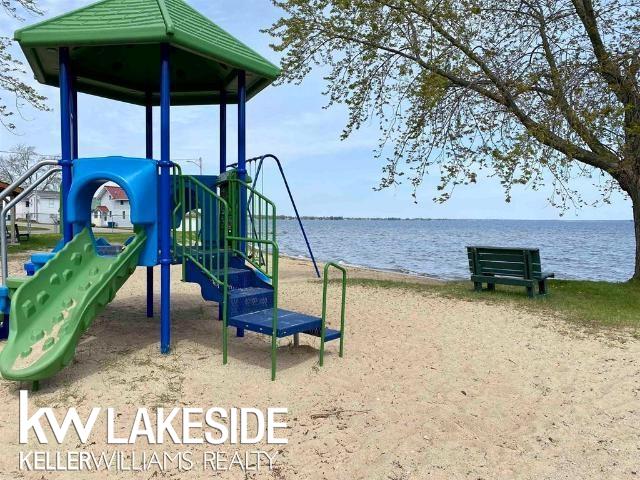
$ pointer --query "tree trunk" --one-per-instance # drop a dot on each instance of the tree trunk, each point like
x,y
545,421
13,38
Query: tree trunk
x,y
635,200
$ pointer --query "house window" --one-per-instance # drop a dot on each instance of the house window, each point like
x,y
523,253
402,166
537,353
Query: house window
x,y
95,214
121,202
124,215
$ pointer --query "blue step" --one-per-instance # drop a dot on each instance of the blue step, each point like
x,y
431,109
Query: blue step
x,y
246,300
329,333
210,255
289,323
239,278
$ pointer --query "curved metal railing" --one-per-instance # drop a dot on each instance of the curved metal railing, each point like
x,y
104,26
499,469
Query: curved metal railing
x,y
323,329
10,205
260,161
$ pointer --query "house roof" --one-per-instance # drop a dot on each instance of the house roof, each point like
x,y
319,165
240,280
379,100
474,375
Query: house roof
x,y
16,192
46,193
115,52
102,208
117,193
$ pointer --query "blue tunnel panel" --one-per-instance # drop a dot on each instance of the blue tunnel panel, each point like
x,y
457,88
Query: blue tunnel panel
x,y
139,179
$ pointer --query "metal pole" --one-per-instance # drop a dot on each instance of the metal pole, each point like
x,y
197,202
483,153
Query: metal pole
x,y
14,236
3,219
65,134
223,131
149,154
242,153
74,117
165,188
293,203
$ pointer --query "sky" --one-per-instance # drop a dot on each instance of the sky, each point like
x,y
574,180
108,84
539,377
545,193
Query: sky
x,y
328,176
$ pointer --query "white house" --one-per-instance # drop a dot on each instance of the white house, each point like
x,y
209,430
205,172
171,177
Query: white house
x,y
111,205
40,207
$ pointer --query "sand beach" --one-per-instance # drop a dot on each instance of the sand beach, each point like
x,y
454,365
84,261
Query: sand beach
x,y
430,387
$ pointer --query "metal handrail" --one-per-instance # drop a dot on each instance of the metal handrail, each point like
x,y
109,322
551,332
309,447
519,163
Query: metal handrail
x,y
266,216
261,159
274,318
178,202
323,328
7,209
25,176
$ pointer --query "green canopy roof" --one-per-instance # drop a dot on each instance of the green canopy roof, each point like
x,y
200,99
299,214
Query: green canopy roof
x,y
115,52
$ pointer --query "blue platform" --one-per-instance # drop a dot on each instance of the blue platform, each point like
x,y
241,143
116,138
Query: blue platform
x,y
289,323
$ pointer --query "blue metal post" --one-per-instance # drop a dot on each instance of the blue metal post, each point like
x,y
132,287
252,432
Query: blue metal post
x,y
165,191
242,152
149,154
223,131
65,134
74,118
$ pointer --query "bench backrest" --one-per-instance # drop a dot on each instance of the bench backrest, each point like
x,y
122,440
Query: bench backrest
x,y
504,262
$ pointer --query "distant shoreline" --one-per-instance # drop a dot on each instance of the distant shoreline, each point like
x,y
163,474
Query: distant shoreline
x,y
400,219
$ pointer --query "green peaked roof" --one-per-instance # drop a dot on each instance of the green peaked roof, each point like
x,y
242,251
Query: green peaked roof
x,y
115,52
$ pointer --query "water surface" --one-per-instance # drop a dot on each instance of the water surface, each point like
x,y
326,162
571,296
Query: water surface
x,y
594,250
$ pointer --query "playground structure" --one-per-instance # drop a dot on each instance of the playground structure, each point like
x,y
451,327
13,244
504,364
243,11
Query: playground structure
x,y
220,228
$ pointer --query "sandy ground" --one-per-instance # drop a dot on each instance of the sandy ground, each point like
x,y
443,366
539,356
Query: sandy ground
x,y
429,388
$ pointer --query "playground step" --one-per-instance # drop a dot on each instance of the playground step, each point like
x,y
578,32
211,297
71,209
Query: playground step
x,y
329,333
239,279
289,323
247,300
202,252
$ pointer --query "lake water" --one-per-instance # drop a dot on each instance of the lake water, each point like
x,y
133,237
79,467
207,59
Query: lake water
x,y
594,250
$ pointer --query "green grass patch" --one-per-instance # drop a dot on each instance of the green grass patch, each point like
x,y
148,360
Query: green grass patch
x,y
598,304
47,241
24,228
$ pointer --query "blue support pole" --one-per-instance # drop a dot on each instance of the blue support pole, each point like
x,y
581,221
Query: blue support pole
x,y
242,152
74,118
223,131
165,191
4,328
149,154
65,134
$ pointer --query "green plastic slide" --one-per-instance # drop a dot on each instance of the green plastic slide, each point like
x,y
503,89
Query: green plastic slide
x,y
51,310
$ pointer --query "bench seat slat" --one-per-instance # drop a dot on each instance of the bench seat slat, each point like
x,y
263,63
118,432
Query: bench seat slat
x,y
501,257
501,272
502,265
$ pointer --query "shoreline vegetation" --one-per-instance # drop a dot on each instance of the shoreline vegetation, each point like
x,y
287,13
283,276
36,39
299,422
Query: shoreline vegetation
x,y
590,303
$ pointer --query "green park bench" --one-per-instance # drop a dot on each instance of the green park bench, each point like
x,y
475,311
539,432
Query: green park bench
x,y
507,266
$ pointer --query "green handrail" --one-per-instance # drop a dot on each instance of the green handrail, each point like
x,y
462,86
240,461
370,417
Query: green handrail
x,y
178,201
261,221
274,318
194,247
323,328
